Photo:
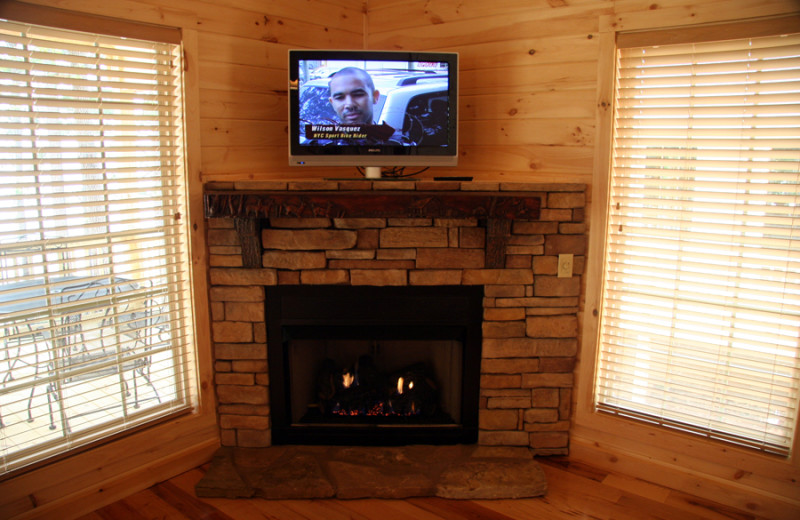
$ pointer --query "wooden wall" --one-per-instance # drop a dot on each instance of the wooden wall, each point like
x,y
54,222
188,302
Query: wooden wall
x,y
528,77
529,71
243,57
534,107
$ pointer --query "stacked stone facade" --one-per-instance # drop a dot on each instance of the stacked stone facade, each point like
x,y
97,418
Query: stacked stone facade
x,y
530,327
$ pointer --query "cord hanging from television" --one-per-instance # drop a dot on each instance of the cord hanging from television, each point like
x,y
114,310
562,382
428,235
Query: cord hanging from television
x,y
395,172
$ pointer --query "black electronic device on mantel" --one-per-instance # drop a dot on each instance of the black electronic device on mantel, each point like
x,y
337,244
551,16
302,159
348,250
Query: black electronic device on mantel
x,y
373,109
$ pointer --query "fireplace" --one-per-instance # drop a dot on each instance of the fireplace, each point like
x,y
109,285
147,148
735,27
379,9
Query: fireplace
x,y
503,240
362,365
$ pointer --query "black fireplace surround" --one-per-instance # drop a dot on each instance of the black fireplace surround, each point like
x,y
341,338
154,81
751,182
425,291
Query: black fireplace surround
x,y
369,365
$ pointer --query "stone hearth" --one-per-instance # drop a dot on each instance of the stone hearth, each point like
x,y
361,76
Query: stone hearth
x,y
506,237
313,472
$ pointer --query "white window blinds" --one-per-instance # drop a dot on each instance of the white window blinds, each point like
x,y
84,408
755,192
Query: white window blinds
x,y
701,311
95,318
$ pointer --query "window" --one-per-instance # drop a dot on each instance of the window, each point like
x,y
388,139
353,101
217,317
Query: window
x,y
701,312
94,281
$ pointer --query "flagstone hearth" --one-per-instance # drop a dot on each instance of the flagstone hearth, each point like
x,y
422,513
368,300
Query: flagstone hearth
x,y
314,472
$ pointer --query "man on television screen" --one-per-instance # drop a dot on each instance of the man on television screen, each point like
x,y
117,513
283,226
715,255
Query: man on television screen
x,y
353,96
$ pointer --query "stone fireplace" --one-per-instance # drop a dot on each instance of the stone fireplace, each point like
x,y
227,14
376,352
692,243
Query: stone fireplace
x,y
505,238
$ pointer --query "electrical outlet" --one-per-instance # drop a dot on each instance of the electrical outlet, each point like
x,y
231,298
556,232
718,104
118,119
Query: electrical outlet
x,y
565,265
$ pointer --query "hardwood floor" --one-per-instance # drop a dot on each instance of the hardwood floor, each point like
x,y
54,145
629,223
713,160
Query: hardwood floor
x,y
575,491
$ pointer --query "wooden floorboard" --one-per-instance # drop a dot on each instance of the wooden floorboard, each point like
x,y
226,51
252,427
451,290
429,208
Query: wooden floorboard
x,y
575,491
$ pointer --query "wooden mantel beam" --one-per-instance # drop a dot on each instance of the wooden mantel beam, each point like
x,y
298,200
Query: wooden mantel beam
x,y
372,204
248,208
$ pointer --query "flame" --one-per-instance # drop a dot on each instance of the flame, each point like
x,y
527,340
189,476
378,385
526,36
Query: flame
x,y
347,379
400,385
411,385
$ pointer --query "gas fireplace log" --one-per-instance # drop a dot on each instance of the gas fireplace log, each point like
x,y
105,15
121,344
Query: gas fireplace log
x,y
362,390
415,392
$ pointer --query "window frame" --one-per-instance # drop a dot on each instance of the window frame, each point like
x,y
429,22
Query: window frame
x,y
621,440
738,401
182,440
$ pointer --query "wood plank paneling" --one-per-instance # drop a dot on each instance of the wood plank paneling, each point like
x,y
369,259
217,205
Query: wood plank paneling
x,y
244,162
578,104
163,13
241,78
525,24
631,16
345,15
748,469
238,132
260,26
528,77
390,15
109,472
527,52
545,77
561,163
256,106
235,50
519,132
543,163
269,162
702,480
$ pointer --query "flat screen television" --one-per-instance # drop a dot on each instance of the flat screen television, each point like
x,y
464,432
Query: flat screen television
x,y
373,109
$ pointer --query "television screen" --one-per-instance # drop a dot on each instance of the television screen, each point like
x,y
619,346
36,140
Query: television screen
x,y
373,108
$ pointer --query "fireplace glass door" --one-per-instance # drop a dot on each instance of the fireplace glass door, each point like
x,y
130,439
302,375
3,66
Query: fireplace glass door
x,y
378,366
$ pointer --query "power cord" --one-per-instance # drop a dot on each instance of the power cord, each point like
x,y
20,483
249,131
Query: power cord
x,y
394,172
